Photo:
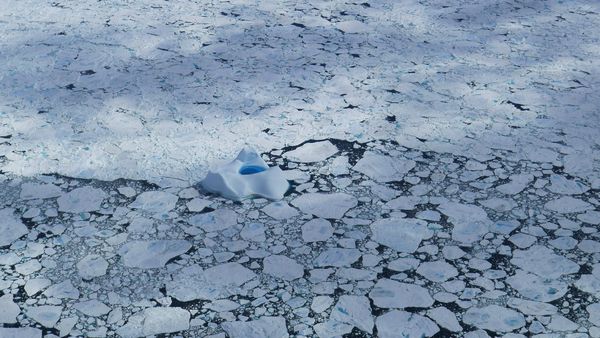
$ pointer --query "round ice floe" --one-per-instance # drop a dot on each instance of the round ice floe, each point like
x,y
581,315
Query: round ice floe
x,y
92,266
494,318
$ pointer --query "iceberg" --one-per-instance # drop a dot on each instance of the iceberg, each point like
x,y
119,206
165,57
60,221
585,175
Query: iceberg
x,y
246,176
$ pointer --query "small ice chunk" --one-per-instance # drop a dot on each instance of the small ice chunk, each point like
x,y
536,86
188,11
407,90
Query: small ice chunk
x,y
28,267
398,323
590,216
567,205
562,185
517,183
126,191
20,332
92,308
470,222
312,152
62,290
533,308
404,203
35,285
188,193
438,271
389,293
198,204
46,315
280,210
9,259
445,318
353,310
253,232
594,313
499,204
504,227
339,166
317,230
159,320
333,205
152,254
494,318
11,227
543,262
264,327
8,310
92,266
400,234
321,303
337,257
84,199
589,246
332,329
30,191
537,288
282,267
383,168
220,281
217,220
589,283
156,202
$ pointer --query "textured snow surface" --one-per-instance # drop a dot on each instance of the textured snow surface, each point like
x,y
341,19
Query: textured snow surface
x,y
443,161
153,90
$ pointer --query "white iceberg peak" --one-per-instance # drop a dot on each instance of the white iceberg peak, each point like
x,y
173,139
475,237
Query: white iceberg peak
x,y
246,176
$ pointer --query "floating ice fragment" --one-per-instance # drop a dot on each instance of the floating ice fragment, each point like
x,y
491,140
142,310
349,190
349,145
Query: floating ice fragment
x,y
438,271
31,190
152,254
11,227
92,308
404,235
322,205
220,281
8,310
246,176
537,288
389,293
354,310
567,205
383,168
157,202
46,315
543,262
494,318
165,320
398,323
92,266
20,332
282,267
84,199
265,327
312,152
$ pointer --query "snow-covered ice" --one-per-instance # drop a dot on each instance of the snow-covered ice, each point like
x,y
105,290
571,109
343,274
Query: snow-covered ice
x,y
11,227
152,254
